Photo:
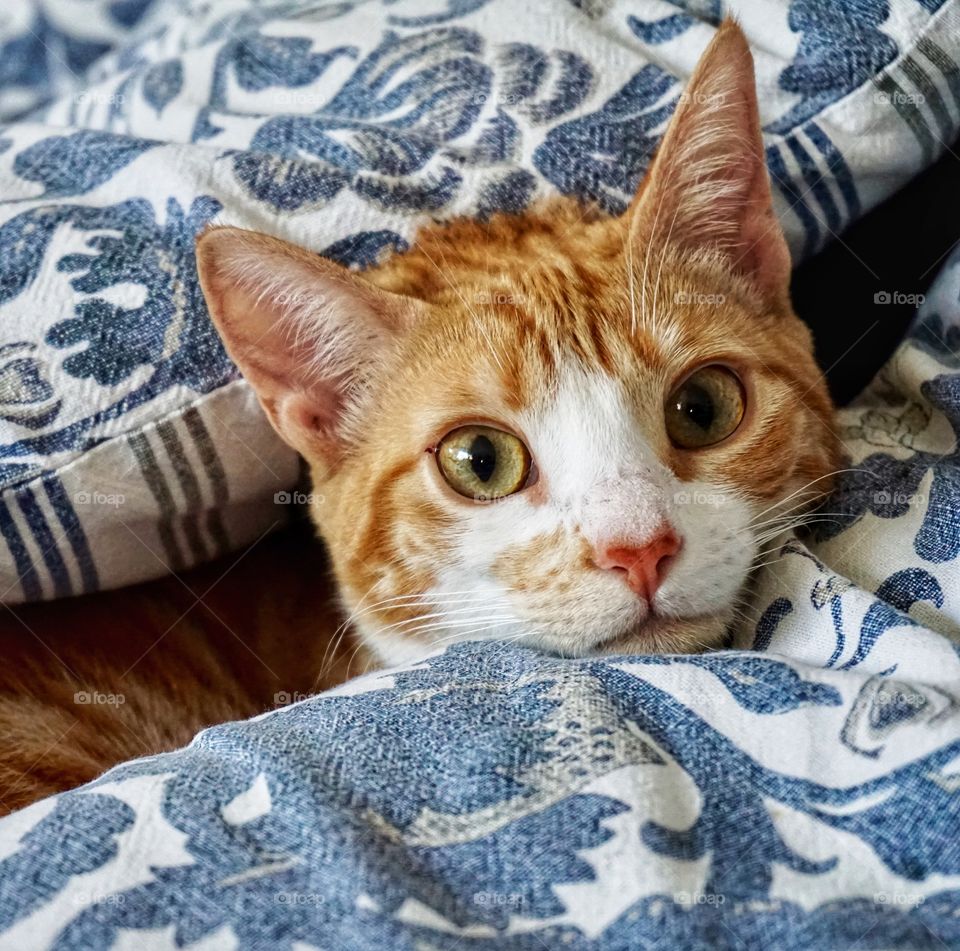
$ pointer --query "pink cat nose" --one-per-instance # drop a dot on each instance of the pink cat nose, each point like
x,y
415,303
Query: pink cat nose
x,y
644,565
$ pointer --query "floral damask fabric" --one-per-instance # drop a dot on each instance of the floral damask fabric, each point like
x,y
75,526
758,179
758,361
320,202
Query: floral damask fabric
x,y
127,444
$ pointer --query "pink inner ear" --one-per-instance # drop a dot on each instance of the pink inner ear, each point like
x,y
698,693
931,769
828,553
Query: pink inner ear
x,y
313,417
708,187
305,332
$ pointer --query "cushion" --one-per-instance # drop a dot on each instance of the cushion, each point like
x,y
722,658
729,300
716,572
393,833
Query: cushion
x,y
801,792
128,446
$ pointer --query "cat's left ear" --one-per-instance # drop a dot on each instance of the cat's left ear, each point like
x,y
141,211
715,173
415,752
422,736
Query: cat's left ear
x,y
707,187
307,334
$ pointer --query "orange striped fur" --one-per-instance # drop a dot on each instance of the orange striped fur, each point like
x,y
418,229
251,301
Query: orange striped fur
x,y
569,329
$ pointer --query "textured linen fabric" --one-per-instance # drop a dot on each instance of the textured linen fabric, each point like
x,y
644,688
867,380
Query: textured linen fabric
x,y
127,445
801,792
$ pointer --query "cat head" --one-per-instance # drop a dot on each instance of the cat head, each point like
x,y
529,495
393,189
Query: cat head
x,y
559,427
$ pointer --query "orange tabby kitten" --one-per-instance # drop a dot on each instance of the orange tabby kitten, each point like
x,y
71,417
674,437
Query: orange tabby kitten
x,y
555,428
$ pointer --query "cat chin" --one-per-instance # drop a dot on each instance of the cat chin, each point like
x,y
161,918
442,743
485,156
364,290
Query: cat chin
x,y
665,635
654,635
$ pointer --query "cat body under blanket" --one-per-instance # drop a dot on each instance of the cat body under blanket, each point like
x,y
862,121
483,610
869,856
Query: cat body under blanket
x,y
569,430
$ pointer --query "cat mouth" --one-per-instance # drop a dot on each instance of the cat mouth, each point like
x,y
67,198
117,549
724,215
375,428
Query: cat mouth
x,y
664,634
638,631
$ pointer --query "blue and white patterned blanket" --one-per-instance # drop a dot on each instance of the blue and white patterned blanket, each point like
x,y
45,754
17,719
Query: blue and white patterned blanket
x,y
127,444
800,792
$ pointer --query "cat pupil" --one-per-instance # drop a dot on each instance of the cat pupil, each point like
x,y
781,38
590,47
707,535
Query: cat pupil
x,y
698,406
483,458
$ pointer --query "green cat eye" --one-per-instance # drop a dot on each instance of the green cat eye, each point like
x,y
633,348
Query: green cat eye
x,y
705,408
483,463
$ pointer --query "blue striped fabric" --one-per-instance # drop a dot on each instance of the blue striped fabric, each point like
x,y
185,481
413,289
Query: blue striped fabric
x,y
26,572
73,529
47,542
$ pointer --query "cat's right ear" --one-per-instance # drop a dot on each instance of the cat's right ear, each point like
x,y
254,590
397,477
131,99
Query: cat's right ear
x,y
306,333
